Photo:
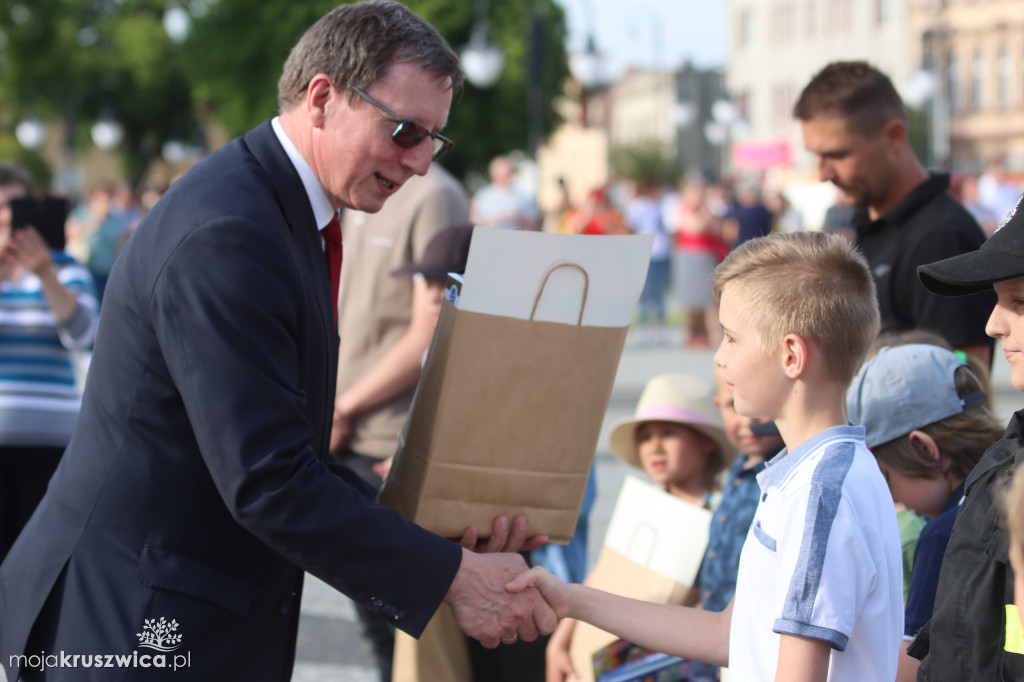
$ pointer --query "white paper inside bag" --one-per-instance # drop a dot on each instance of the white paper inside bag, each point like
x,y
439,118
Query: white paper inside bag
x,y
658,530
506,269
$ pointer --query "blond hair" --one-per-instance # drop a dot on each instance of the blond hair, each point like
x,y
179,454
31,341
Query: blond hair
x,y
811,284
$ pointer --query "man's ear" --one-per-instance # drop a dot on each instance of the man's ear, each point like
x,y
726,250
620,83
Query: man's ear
x,y
795,355
925,444
896,131
318,97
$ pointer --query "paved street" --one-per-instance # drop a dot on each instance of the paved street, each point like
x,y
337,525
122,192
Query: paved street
x,y
330,646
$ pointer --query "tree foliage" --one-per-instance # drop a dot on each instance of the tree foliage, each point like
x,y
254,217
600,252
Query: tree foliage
x,y
73,59
648,161
236,52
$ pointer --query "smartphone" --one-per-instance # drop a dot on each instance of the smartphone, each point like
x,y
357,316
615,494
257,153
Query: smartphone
x,y
46,214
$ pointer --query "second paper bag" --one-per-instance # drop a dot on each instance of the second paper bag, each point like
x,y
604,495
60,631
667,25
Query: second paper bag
x,y
653,548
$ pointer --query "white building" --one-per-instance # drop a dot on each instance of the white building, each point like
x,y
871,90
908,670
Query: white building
x,y
778,45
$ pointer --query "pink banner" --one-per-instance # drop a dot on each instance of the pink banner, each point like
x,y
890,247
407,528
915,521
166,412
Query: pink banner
x,y
761,154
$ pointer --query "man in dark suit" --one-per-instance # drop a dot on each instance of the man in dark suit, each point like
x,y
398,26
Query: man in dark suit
x,y
197,486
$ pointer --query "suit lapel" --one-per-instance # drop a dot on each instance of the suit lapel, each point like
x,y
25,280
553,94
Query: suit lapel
x,y
291,196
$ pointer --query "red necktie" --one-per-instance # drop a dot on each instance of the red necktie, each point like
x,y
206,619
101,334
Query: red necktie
x,y
332,254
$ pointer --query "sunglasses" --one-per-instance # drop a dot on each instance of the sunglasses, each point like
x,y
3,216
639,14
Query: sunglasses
x,y
408,133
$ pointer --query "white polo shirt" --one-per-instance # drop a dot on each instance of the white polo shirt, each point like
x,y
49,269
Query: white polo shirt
x,y
822,560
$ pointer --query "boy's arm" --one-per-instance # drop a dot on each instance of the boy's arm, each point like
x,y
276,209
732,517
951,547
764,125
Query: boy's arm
x,y
676,630
802,659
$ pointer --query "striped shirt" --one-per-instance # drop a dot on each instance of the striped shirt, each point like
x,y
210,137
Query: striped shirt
x,y
39,396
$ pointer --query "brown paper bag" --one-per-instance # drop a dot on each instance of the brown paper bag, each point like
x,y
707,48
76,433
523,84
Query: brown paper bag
x,y
441,652
505,420
652,551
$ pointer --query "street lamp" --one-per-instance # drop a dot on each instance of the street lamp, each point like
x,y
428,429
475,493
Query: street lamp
x,y
31,132
725,126
176,22
587,67
482,60
107,133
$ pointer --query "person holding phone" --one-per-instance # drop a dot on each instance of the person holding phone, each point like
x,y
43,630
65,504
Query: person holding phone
x,y
48,310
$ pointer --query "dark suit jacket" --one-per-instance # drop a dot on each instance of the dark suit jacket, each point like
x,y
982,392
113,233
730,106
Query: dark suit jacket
x,y
196,486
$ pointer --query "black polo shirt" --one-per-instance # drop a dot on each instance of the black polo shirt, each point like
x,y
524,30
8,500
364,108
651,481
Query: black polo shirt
x,y
928,225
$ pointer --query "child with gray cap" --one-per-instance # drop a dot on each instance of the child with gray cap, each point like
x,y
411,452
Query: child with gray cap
x,y
973,633
927,424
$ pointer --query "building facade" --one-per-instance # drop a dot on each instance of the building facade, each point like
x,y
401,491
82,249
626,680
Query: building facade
x,y
973,51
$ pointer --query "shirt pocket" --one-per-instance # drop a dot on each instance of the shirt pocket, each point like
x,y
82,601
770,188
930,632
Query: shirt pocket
x,y
766,540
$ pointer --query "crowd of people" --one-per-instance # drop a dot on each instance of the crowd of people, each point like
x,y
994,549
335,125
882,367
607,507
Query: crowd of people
x,y
246,390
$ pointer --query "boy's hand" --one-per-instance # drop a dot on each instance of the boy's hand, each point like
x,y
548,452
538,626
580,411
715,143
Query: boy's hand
x,y
554,591
557,662
486,611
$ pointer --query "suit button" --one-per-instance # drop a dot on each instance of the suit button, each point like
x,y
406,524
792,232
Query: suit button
x,y
286,606
399,615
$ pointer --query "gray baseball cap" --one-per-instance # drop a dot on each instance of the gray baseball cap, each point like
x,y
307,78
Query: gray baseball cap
x,y
904,388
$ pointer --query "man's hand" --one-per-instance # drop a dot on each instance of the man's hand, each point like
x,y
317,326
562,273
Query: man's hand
x,y
383,467
341,431
486,611
502,540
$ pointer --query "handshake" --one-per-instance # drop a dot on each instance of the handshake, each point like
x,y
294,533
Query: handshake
x,y
495,598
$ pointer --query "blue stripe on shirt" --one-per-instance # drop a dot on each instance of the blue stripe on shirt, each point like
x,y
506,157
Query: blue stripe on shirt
x,y
822,505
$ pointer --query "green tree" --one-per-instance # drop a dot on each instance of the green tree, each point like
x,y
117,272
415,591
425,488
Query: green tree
x,y
650,160
75,60
235,53
919,133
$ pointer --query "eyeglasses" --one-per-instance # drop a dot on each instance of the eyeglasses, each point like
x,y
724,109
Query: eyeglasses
x,y
408,133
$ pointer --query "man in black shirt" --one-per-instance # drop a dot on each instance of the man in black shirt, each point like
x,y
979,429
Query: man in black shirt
x,y
855,123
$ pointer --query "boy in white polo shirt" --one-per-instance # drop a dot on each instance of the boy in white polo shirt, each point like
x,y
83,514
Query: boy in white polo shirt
x,y
819,594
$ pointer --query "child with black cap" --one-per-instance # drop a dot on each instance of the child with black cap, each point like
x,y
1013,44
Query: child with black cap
x,y
973,633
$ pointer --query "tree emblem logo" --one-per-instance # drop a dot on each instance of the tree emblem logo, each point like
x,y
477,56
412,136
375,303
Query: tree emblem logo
x,y
159,634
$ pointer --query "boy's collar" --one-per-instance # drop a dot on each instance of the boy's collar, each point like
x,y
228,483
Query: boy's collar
x,y
782,465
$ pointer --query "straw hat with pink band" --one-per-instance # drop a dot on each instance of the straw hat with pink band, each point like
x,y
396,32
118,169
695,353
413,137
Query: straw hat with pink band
x,y
675,398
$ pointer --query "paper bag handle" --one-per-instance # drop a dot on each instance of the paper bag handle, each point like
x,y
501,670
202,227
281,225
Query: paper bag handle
x,y
643,539
586,287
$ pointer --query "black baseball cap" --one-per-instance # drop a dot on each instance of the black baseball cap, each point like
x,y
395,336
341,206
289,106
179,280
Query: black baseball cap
x,y
1000,258
447,252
